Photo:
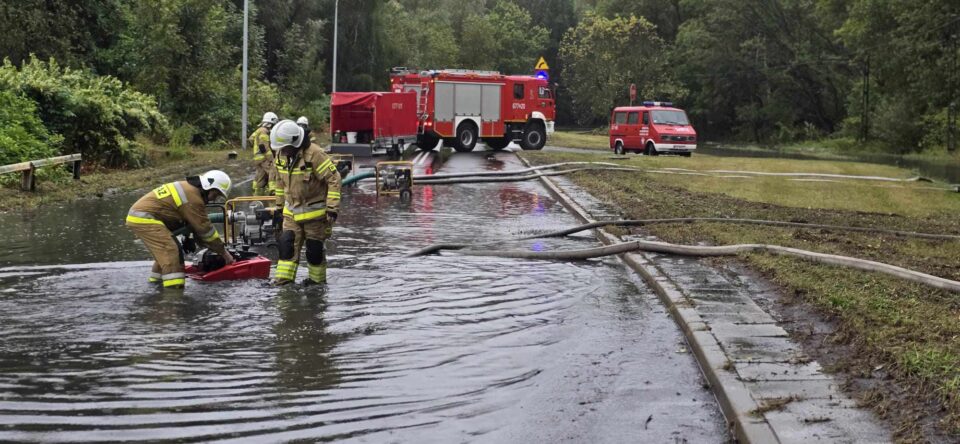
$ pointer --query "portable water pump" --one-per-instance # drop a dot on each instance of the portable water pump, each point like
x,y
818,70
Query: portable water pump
x,y
395,178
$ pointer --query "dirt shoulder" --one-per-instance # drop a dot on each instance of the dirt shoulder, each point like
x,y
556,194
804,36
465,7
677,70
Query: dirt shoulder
x,y
100,182
905,337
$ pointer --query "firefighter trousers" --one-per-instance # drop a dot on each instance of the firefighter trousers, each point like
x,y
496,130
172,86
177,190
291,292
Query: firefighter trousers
x,y
295,234
167,255
261,180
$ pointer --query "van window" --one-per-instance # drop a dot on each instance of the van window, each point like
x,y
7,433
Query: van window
x,y
633,118
670,118
620,118
518,91
646,118
544,93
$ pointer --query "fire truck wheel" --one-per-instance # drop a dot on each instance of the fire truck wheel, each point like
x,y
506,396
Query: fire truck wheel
x,y
534,136
427,142
618,149
466,137
497,144
650,150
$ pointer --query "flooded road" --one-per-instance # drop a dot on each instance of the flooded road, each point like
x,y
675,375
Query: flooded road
x,y
432,349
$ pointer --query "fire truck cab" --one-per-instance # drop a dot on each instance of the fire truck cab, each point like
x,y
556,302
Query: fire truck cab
x,y
461,107
653,128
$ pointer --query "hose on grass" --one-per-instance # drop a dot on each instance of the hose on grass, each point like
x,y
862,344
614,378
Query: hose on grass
x,y
643,222
725,250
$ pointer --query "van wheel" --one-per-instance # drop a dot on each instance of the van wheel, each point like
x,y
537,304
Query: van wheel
x,y
534,136
497,143
618,149
466,137
686,154
650,149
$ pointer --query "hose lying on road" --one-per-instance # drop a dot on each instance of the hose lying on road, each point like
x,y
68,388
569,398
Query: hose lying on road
x,y
426,180
514,172
725,250
643,222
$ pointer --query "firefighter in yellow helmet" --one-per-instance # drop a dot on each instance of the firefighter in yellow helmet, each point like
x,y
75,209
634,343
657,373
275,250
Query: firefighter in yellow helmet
x,y
169,207
264,179
309,194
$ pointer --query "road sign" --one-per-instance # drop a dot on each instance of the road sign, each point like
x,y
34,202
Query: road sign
x,y
542,74
633,93
541,65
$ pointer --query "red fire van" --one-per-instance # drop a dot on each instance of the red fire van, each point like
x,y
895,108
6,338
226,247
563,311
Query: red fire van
x,y
652,128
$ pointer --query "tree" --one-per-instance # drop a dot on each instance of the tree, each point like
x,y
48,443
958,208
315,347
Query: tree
x,y
602,57
503,39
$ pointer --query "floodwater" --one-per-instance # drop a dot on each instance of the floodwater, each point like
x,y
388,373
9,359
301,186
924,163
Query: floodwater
x,y
435,349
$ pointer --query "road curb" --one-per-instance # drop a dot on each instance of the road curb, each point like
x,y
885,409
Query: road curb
x,y
733,396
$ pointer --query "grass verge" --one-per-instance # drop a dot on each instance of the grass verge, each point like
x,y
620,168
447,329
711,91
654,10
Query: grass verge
x,y
909,330
97,183
580,139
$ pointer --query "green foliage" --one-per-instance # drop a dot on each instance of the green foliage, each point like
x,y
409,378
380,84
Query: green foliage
x,y
503,39
180,140
602,57
94,114
22,135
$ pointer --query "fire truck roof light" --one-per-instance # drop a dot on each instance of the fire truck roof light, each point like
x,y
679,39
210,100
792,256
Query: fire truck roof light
x,y
652,103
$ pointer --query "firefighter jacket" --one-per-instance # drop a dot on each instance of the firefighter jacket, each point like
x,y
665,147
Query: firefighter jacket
x,y
308,184
260,140
174,205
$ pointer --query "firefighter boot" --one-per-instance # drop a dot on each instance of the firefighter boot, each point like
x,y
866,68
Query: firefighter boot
x,y
316,262
288,259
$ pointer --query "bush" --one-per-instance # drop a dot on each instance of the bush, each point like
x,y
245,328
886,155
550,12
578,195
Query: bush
x,y
97,116
22,135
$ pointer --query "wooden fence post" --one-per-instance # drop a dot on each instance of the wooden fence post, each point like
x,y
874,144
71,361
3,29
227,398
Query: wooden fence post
x,y
76,170
29,182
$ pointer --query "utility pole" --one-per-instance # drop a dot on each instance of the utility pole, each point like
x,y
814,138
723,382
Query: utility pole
x,y
243,113
336,13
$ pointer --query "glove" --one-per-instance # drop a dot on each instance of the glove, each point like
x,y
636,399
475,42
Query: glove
x,y
331,216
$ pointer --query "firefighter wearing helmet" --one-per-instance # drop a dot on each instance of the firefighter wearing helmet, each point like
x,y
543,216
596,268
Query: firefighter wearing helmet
x,y
169,207
263,180
308,191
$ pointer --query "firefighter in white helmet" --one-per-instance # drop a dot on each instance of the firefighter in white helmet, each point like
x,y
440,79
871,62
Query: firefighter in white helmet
x,y
309,194
264,181
169,207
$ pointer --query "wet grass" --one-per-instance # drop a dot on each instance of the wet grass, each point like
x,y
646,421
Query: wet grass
x,y
580,139
102,182
912,331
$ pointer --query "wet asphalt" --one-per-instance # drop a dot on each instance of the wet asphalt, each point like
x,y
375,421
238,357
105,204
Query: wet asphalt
x,y
442,348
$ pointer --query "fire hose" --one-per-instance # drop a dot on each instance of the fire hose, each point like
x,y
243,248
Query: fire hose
x,y
727,250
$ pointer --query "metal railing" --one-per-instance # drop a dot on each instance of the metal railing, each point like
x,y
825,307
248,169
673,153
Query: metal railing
x,y
29,169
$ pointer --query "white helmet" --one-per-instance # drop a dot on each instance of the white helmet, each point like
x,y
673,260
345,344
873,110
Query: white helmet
x,y
284,134
269,119
303,121
215,180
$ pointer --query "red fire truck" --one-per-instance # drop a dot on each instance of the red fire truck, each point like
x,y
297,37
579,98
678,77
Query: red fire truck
x,y
461,106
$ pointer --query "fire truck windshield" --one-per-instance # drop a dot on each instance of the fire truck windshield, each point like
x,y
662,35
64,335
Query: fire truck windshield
x,y
670,118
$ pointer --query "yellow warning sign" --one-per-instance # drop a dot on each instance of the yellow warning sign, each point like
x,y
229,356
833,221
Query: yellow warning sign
x,y
541,64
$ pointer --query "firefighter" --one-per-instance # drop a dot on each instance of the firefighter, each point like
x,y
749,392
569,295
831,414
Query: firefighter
x,y
309,195
264,180
169,207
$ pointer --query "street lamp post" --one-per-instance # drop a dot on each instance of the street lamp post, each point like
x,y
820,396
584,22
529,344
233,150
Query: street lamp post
x,y
336,7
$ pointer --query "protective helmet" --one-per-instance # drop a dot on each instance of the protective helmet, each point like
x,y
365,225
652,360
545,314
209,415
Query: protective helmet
x,y
284,134
269,119
215,180
302,121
